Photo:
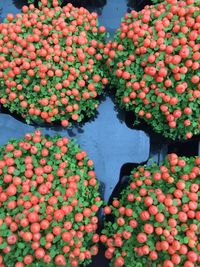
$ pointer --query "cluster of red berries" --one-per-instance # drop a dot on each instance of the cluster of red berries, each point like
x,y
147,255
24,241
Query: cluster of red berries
x,y
155,61
49,201
157,219
52,64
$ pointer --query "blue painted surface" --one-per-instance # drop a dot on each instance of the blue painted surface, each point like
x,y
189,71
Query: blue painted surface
x,y
106,138
111,15
6,7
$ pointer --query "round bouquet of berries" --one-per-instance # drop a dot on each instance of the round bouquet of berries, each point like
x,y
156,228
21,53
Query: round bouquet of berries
x,y
51,63
157,219
155,60
49,201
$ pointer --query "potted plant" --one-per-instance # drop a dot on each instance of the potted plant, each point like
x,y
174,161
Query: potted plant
x,y
154,63
49,201
156,219
52,63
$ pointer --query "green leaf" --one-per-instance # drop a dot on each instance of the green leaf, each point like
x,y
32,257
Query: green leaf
x,y
182,76
3,226
26,198
149,78
185,199
60,199
43,241
186,169
115,226
177,168
21,245
159,99
56,239
3,245
161,207
16,172
52,253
